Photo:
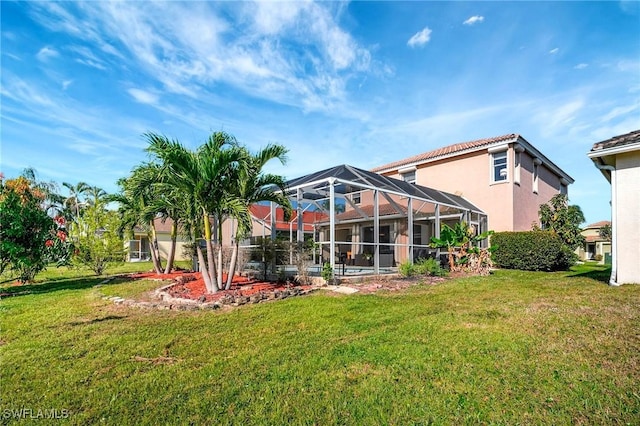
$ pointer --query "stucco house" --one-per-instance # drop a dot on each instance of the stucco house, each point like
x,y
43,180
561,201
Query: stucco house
x,y
595,247
618,159
505,176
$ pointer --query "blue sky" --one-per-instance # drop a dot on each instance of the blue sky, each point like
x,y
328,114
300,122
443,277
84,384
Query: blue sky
x,y
362,83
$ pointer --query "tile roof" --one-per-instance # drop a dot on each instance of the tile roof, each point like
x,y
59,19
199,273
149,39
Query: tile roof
x,y
383,210
598,224
595,239
618,141
447,150
262,212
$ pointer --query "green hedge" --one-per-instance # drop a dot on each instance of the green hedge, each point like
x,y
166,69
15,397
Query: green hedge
x,y
531,251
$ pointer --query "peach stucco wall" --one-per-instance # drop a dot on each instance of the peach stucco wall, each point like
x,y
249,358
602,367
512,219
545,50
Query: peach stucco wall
x,y
510,206
470,176
526,202
628,217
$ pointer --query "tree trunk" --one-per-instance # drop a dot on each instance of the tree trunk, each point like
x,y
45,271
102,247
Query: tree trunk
x,y
232,265
219,248
203,269
155,253
172,250
210,260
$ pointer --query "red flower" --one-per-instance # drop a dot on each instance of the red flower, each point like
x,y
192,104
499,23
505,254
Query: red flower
x,y
59,220
61,236
48,243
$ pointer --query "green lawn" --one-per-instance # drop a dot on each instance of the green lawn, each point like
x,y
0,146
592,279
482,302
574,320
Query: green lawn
x,y
512,348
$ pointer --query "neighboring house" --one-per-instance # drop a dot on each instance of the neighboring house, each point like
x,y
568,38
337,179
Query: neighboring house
x,y
262,227
264,223
505,176
618,159
595,246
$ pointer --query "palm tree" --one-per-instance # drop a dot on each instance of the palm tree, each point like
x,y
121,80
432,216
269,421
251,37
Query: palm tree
x,y
254,186
73,201
207,174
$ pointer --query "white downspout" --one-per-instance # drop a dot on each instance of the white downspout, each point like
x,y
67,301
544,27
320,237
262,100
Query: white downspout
x,y
614,249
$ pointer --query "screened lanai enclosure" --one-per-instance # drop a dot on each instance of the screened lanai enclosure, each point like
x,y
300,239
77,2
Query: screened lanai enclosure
x,y
373,222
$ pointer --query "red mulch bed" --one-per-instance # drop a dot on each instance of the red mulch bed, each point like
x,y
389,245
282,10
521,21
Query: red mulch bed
x,y
190,285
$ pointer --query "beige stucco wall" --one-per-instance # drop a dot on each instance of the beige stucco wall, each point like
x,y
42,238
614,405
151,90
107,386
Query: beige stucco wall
x,y
164,245
627,219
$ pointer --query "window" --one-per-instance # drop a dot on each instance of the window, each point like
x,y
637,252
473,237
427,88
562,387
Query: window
x,y
516,174
409,177
499,168
355,198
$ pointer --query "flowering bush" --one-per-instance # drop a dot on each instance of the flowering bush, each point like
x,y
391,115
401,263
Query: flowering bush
x,y
59,247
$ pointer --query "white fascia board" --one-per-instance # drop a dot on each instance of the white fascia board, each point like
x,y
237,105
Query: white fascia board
x,y
614,150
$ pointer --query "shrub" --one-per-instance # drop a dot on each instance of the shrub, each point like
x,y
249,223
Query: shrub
x,y
597,257
429,266
407,269
327,272
531,251
421,267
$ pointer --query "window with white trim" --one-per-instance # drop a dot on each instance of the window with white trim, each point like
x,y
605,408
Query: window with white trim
x,y
355,197
499,166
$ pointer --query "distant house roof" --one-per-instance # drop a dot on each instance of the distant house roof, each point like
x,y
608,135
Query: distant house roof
x,y
447,150
603,153
471,146
598,225
263,213
617,141
594,239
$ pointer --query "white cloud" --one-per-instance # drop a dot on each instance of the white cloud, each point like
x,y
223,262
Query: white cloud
x,y
66,84
143,96
619,111
554,51
420,38
46,52
581,66
474,20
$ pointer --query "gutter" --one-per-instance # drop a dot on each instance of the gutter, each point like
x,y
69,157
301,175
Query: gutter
x,y
614,250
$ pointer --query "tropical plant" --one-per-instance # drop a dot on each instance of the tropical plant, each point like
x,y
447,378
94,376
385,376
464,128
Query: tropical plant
x,y
96,239
255,186
462,248
24,227
563,220
209,175
605,232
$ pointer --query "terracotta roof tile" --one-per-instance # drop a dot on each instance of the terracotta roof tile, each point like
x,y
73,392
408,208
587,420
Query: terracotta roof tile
x,y
617,141
383,210
447,150
598,224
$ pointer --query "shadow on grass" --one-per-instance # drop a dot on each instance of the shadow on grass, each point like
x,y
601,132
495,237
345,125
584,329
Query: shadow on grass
x,y
596,272
53,285
97,320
